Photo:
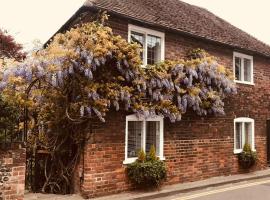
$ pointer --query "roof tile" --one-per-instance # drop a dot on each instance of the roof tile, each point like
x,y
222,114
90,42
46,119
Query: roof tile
x,y
181,16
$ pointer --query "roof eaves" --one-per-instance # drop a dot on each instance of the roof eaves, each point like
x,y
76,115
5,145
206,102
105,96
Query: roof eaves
x,y
86,7
194,35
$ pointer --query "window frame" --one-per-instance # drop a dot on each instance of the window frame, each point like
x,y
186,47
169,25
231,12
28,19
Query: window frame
x,y
134,117
243,120
242,57
146,32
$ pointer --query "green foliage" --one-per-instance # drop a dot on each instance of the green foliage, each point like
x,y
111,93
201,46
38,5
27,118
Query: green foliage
x,y
141,156
152,154
9,115
150,172
9,121
247,158
247,148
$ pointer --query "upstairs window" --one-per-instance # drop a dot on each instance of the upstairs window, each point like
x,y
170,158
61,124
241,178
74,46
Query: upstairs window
x,y
151,42
243,68
142,134
243,133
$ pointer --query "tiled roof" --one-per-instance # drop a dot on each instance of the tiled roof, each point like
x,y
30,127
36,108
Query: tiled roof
x,y
183,17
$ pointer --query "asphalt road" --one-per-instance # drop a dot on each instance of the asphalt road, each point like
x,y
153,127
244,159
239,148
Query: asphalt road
x,y
252,190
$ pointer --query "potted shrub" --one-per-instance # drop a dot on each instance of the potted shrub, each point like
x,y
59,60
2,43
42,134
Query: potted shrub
x,y
147,170
247,158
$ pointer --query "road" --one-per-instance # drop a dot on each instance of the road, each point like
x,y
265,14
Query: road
x,y
252,190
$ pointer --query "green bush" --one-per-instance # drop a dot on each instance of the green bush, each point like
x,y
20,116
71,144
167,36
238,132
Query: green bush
x,y
247,158
149,172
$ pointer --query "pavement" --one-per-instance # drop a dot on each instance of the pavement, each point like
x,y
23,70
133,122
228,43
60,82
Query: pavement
x,y
38,196
178,191
248,190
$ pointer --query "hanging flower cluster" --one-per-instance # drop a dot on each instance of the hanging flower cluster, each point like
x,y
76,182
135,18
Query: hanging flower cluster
x,y
199,83
89,71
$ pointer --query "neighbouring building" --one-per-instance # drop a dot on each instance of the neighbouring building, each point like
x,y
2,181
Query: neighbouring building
x,y
196,147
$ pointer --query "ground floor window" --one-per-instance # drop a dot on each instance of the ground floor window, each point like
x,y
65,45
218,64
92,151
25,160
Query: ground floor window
x,y
142,134
243,133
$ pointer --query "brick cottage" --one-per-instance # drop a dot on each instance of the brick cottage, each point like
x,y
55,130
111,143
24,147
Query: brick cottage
x,y
196,147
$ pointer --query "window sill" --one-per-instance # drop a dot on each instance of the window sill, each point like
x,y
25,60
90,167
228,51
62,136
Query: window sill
x,y
238,151
244,82
129,161
132,160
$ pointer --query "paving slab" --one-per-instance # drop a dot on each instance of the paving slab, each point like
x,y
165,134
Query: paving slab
x,y
38,196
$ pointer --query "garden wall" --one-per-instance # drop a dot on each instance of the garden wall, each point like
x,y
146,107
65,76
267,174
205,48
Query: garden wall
x,y
12,173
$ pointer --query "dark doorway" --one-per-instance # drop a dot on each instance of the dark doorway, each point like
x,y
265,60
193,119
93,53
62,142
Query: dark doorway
x,y
268,140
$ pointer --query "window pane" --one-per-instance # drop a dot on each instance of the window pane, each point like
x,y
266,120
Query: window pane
x,y
153,136
153,49
247,70
134,138
248,131
138,38
238,135
238,68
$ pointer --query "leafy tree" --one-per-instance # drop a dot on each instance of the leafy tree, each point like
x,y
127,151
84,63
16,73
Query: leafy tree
x,y
9,48
88,71
9,114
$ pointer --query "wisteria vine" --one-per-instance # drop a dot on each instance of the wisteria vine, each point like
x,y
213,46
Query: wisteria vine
x,y
88,71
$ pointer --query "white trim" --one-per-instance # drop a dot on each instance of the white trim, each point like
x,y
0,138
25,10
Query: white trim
x,y
243,120
242,57
244,82
132,160
161,142
129,161
146,32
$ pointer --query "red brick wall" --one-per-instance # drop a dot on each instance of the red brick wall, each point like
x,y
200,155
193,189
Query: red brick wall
x,y
195,148
12,173
104,172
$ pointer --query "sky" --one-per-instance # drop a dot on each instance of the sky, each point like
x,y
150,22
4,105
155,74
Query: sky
x,y
29,20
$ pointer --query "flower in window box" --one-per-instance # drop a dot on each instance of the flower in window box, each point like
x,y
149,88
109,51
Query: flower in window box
x,y
247,158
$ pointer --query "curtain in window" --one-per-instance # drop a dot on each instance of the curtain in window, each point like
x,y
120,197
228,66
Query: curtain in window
x,y
238,135
247,70
135,133
248,132
153,136
138,38
153,49
237,68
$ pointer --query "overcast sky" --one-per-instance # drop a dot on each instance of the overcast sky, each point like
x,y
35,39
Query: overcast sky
x,y
28,20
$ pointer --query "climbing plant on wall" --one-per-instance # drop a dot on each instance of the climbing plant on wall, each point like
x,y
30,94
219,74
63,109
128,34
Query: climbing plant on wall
x,y
9,114
88,71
